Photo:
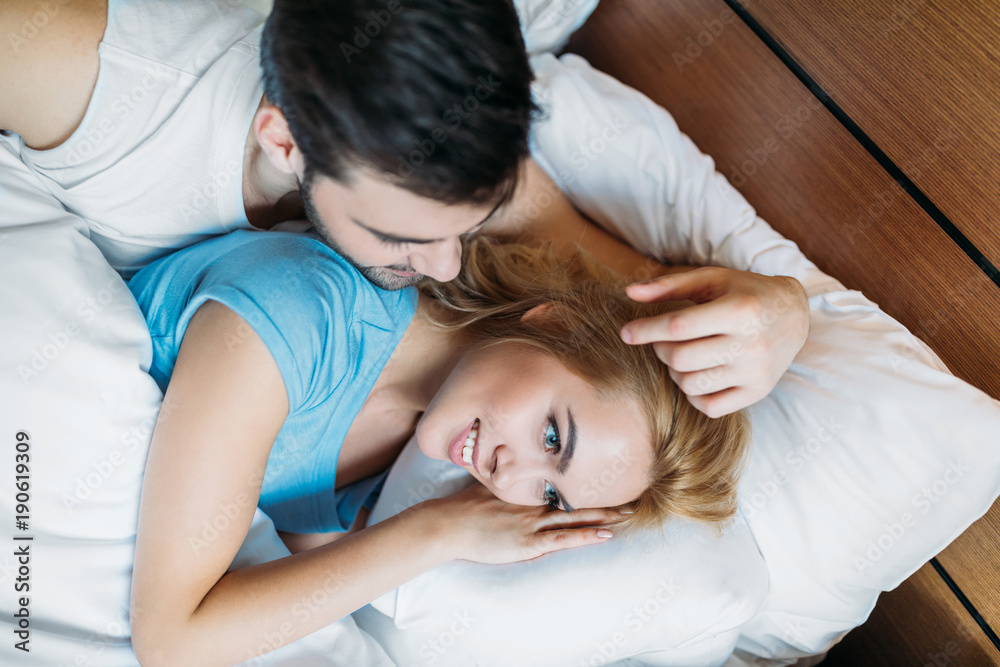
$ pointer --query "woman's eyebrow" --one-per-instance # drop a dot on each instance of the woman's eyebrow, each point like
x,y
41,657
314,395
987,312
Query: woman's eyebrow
x,y
567,453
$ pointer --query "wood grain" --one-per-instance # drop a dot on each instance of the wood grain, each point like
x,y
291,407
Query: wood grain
x,y
815,184
919,623
921,78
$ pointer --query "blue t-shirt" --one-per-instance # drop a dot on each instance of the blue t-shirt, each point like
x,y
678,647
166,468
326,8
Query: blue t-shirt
x,y
330,332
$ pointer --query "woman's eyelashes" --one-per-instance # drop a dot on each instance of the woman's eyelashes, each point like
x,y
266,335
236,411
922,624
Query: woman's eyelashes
x,y
551,496
552,445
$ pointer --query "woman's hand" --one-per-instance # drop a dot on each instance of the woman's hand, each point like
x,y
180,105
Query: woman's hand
x,y
485,529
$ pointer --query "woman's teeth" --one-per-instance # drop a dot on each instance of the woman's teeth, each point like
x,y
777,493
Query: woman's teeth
x,y
470,443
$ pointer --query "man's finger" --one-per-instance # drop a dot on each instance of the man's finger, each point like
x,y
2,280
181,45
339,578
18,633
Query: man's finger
x,y
723,402
700,354
719,317
702,383
698,285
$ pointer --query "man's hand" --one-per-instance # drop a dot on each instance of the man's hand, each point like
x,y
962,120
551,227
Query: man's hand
x,y
729,349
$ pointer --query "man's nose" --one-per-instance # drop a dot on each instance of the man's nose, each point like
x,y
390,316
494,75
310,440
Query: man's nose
x,y
441,261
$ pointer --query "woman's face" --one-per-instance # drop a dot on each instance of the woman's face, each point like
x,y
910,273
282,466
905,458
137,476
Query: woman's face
x,y
537,433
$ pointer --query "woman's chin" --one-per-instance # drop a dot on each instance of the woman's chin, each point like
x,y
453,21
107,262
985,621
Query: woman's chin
x,y
425,450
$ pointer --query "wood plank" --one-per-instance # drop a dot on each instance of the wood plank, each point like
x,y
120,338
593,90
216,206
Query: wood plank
x,y
919,623
802,170
815,184
920,77
971,560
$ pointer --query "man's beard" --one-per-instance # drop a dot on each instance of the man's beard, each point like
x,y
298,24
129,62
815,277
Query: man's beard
x,y
380,276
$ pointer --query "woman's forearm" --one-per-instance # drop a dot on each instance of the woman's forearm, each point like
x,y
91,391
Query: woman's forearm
x,y
261,608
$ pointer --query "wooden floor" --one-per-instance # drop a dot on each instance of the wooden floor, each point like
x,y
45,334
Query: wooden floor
x,y
868,133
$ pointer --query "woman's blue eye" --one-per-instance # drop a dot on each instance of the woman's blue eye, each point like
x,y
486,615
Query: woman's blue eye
x,y
550,497
552,437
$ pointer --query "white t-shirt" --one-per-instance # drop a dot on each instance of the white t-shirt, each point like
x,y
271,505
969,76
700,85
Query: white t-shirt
x,y
157,163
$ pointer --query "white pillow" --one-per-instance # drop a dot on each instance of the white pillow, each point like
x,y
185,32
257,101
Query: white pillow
x,y
73,358
869,458
902,421
545,24
866,418
688,591
340,643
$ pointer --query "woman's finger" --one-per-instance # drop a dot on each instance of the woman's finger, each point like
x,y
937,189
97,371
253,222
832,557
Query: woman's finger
x,y
579,518
568,538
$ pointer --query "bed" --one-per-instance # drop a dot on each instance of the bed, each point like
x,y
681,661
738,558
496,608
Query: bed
x,y
868,414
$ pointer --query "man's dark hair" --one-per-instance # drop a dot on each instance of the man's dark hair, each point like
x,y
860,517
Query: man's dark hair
x,y
433,94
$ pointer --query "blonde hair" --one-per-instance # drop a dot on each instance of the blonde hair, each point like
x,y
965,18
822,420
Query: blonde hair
x,y
697,460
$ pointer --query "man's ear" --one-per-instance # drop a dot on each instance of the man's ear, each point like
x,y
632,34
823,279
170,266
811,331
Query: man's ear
x,y
275,139
540,309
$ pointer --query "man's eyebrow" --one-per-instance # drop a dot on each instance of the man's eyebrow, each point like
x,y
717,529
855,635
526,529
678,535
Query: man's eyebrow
x,y
392,238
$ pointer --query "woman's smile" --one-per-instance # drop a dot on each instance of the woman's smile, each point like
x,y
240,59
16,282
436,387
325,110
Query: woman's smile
x,y
464,447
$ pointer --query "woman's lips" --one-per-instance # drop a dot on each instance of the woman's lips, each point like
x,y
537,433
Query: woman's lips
x,y
456,446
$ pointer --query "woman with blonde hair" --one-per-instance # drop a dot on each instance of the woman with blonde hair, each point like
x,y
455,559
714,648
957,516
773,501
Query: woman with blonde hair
x,y
292,383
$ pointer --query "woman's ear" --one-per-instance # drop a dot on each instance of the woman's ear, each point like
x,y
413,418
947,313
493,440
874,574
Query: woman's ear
x,y
540,309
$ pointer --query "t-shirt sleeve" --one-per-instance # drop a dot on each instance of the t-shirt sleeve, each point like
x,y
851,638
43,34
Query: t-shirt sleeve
x,y
300,299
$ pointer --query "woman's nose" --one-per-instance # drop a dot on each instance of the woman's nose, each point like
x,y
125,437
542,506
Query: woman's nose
x,y
512,468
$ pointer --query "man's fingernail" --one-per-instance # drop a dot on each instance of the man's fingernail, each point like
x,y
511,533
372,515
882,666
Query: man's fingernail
x,y
627,336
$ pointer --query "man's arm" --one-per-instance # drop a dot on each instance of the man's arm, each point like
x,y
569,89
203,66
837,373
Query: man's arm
x,y
726,351
48,66
623,162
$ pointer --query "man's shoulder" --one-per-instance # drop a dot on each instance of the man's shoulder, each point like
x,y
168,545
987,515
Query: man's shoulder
x,y
48,66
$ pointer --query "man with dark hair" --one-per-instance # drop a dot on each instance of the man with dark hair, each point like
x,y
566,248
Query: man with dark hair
x,y
396,126
433,98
